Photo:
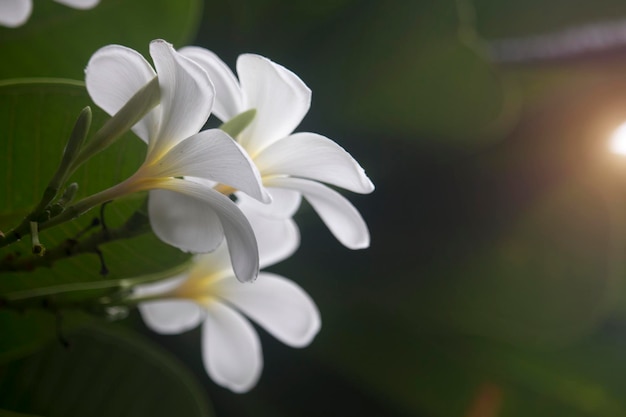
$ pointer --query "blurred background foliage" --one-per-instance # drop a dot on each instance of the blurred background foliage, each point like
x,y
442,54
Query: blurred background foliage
x,y
495,283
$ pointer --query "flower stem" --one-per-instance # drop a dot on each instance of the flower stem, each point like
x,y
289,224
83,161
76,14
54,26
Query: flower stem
x,y
64,170
37,248
75,154
136,225
122,189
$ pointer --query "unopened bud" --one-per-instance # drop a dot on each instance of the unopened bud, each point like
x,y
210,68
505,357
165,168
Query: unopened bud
x,y
134,110
237,124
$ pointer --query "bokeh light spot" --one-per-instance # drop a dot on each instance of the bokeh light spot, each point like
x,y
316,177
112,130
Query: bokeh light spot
x,y
617,141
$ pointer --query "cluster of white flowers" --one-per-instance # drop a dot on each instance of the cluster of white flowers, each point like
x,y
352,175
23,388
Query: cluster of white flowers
x,y
230,200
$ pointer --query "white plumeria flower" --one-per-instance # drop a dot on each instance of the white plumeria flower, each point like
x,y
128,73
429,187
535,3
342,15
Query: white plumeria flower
x,y
183,212
208,293
291,164
14,13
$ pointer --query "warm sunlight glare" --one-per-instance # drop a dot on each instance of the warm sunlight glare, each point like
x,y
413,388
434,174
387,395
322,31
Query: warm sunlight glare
x,y
617,142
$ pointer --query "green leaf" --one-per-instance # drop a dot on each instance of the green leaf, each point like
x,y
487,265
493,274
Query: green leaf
x,y
418,374
510,18
7,413
106,371
419,71
37,118
550,278
439,373
24,332
57,41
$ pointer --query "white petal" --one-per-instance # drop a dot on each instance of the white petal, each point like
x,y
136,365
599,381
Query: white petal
x,y
216,263
231,350
184,221
309,155
171,316
203,181
280,98
14,13
213,155
79,4
228,99
242,244
278,239
277,304
284,203
113,75
186,96
159,287
341,217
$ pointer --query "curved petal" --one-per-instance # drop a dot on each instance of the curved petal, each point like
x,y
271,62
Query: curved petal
x,y
14,13
231,350
184,221
213,155
341,217
79,4
216,264
280,98
278,239
242,245
284,203
203,181
228,98
171,316
113,75
313,156
186,97
277,304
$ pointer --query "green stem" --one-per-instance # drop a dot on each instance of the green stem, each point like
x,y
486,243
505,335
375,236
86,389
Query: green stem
x,y
40,293
71,212
133,301
136,225
75,155
37,247
119,294
87,204
79,132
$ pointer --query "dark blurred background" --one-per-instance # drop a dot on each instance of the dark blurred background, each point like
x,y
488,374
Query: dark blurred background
x,y
494,282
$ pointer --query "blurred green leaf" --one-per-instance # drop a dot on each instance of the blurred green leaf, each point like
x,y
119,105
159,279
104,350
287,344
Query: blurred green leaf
x,y
497,19
106,371
415,69
24,332
57,41
421,89
6,413
550,278
415,374
37,117
445,374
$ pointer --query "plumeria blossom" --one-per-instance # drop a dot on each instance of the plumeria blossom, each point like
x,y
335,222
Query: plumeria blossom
x,y
14,13
292,165
208,294
183,211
